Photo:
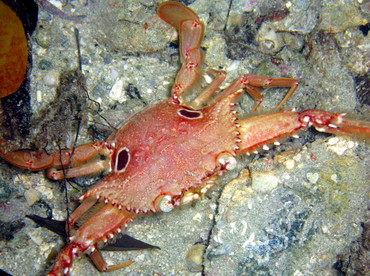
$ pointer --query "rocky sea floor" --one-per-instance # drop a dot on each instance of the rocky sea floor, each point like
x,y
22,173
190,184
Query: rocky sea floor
x,y
298,209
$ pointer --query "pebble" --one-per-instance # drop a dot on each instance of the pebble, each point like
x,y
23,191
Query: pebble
x,y
44,64
289,164
333,141
264,181
312,177
114,74
233,66
298,273
51,78
35,237
268,39
45,191
117,92
340,145
194,257
31,196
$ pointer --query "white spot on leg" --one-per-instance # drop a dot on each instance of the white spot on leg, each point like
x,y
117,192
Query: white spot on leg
x,y
306,119
207,78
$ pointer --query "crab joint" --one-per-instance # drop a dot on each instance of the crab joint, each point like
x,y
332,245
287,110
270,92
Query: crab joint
x,y
164,203
189,197
227,161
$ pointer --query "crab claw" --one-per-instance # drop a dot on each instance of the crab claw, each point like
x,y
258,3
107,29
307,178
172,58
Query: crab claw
x,y
26,159
259,131
335,123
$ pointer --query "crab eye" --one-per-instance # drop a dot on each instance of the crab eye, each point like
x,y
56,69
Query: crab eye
x,y
122,160
190,114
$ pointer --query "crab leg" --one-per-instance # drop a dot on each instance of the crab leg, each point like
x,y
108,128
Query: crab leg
x,y
190,35
26,159
252,84
100,263
257,132
83,160
99,228
83,208
79,158
209,90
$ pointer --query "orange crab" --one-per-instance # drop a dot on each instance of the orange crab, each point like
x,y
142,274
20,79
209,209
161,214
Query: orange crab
x,y
170,153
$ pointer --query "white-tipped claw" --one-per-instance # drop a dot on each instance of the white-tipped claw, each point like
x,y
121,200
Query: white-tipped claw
x,y
165,204
227,160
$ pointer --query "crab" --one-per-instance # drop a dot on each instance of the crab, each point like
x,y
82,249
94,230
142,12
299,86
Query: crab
x,y
171,153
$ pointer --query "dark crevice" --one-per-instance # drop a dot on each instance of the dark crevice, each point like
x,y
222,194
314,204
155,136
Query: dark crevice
x,y
210,231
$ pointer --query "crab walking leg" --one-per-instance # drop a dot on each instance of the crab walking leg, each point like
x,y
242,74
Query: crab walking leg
x,y
209,90
252,84
81,160
100,263
82,209
100,227
91,167
190,35
258,131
